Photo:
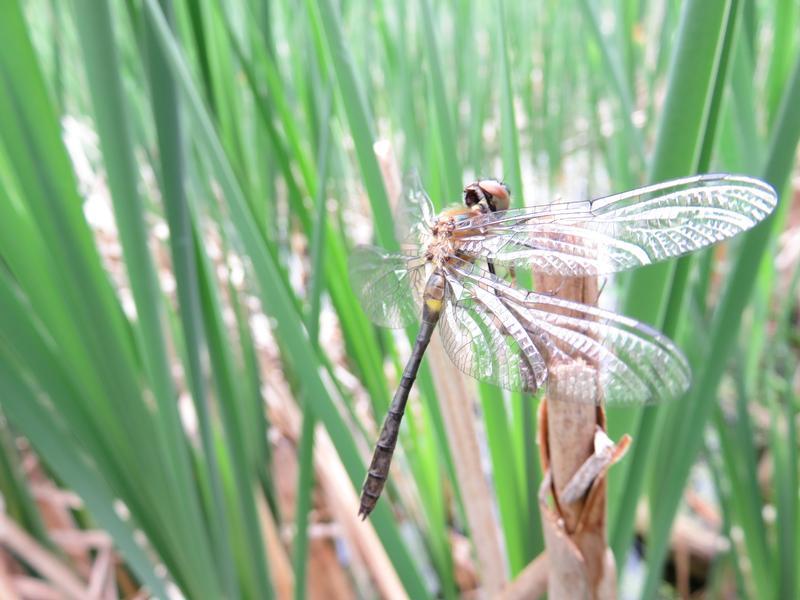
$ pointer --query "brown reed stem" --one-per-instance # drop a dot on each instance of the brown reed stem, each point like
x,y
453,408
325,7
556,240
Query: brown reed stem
x,y
570,424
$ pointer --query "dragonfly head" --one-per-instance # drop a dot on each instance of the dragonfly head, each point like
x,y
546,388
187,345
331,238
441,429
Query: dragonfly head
x,y
489,195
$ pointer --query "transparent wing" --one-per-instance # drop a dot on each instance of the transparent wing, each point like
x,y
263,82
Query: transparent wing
x,y
623,231
389,286
636,364
413,215
486,342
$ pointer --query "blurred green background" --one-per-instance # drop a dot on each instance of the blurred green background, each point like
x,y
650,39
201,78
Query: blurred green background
x,y
180,185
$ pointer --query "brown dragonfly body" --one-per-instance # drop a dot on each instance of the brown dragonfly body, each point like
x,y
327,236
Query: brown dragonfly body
x,y
481,197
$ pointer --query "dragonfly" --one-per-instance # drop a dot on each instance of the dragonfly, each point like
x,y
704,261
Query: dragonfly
x,y
447,274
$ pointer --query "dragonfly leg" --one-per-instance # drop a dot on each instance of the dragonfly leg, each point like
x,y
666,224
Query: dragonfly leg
x,y
600,291
512,272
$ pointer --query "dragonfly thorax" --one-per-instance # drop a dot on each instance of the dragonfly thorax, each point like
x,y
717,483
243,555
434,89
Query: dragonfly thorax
x,y
443,243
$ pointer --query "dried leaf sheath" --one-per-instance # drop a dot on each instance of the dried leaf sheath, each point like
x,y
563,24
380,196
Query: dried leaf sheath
x,y
572,400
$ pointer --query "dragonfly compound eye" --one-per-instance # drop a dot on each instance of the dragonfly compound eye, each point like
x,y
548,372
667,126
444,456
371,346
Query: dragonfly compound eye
x,y
473,194
497,193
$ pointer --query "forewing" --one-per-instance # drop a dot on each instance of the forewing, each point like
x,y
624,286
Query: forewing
x,y
636,364
623,231
413,215
387,285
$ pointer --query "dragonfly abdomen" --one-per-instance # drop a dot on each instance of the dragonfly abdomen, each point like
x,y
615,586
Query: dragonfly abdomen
x,y
384,450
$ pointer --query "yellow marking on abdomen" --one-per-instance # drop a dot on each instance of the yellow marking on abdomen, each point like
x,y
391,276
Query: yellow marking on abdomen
x,y
434,305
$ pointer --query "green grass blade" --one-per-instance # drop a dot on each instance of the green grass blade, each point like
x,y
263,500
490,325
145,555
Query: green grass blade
x,y
783,442
740,464
785,21
60,447
17,498
519,510
451,177
723,334
299,353
171,154
614,68
99,48
682,130
305,479
252,561
327,25
504,473
92,338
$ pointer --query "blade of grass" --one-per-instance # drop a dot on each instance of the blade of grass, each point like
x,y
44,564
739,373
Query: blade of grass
x,y
522,528
100,52
674,316
614,68
690,89
777,169
59,446
169,131
305,479
252,558
18,501
783,443
785,28
504,474
777,371
741,468
451,177
197,22
682,130
327,26
93,339
300,355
